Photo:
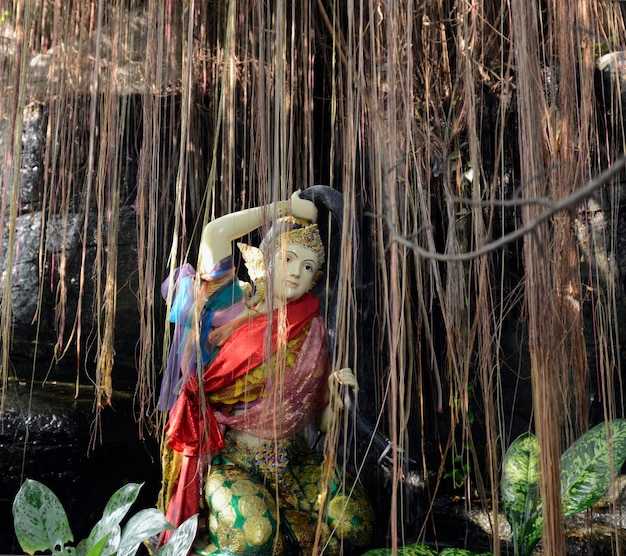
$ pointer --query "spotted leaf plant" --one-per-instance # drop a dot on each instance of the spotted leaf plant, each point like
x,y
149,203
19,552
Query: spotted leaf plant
x,y
41,525
588,467
418,549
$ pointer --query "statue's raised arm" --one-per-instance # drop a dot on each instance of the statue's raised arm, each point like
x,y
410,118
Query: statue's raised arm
x,y
219,234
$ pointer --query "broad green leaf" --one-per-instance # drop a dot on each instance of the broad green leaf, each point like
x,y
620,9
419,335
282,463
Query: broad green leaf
x,y
520,476
532,532
520,495
416,549
101,547
98,548
39,518
462,552
140,527
103,529
121,501
116,509
590,465
181,540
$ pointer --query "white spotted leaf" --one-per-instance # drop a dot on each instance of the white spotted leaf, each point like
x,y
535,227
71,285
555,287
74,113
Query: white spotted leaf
x,y
590,465
520,493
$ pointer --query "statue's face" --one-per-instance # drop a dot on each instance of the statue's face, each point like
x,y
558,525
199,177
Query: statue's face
x,y
295,269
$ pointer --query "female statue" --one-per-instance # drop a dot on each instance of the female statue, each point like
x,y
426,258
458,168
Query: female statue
x,y
235,452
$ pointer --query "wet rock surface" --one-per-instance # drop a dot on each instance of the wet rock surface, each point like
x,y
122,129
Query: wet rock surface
x,y
48,435
600,531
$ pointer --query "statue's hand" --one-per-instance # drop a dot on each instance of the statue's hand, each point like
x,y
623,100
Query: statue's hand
x,y
301,208
336,381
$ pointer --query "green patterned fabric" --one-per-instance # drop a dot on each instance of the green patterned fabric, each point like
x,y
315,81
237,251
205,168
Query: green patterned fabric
x,y
245,482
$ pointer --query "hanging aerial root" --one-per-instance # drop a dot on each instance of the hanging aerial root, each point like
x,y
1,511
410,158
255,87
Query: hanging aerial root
x,y
104,373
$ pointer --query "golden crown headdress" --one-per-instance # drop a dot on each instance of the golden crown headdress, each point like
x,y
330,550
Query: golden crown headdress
x,y
308,236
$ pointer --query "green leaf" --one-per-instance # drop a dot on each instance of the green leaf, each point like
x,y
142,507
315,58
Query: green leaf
x,y
520,495
461,552
590,465
141,526
98,548
181,540
39,518
121,501
116,509
416,549
101,530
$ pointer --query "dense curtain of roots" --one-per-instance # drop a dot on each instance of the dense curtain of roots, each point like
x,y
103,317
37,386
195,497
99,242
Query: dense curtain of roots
x,y
426,115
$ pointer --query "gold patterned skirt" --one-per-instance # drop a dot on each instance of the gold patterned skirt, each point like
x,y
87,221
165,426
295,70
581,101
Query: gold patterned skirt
x,y
278,497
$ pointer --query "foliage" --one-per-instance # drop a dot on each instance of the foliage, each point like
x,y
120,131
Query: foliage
x,y
459,473
461,552
422,550
520,494
41,524
588,467
408,550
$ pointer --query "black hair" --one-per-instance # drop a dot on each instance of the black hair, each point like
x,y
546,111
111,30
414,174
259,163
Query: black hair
x,y
329,202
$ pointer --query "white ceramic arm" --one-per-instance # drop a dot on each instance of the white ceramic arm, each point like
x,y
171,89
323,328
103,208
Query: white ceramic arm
x,y
301,208
218,235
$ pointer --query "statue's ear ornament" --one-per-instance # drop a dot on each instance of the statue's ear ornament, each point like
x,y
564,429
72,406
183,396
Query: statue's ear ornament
x,y
254,260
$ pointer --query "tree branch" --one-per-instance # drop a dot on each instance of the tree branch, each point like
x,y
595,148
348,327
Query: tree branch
x,y
556,206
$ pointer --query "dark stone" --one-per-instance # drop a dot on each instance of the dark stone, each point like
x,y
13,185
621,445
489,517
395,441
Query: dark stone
x,y
50,436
